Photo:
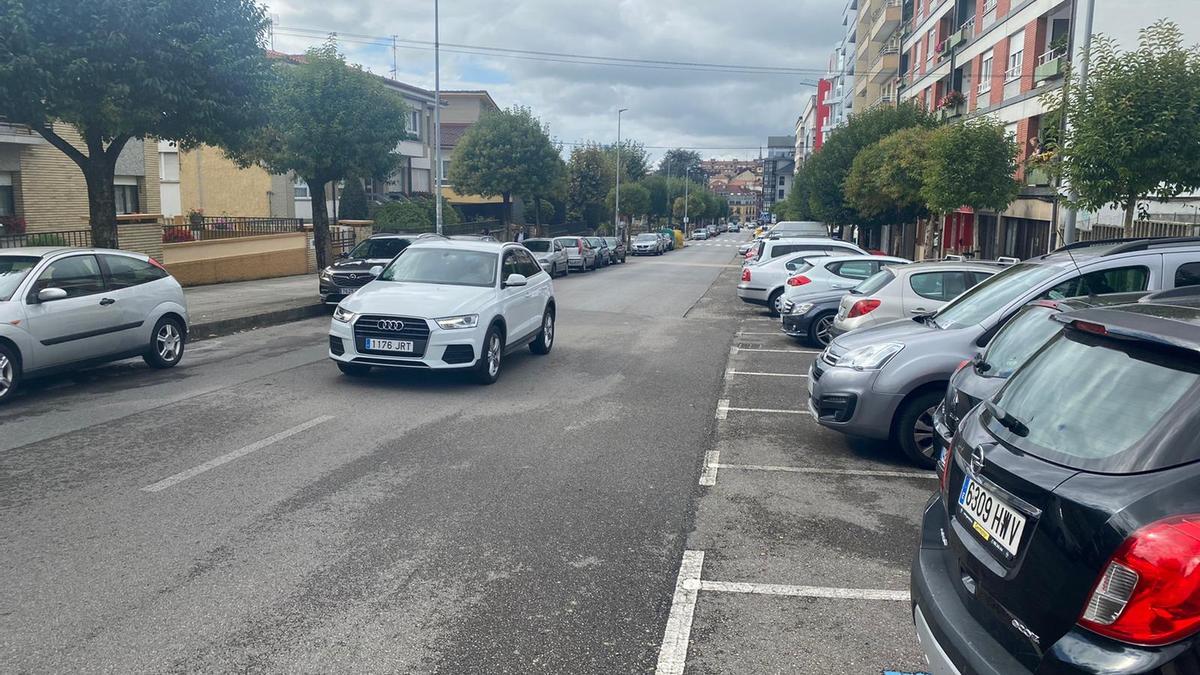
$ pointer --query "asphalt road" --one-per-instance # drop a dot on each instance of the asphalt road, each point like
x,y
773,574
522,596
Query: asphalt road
x,y
427,524
254,510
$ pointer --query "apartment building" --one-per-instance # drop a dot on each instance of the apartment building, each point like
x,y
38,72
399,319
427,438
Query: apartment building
x,y
879,55
779,167
841,71
967,58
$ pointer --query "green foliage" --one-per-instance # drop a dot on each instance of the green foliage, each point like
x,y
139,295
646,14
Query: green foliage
x,y
970,164
797,206
50,240
1134,129
190,71
589,175
674,162
506,153
635,200
633,159
416,214
885,180
826,171
656,188
354,201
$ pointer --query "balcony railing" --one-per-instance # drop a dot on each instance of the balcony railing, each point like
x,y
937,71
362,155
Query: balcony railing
x,y
1051,64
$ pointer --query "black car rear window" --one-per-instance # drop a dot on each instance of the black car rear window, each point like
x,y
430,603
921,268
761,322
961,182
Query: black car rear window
x,y
1020,338
542,246
1103,405
379,249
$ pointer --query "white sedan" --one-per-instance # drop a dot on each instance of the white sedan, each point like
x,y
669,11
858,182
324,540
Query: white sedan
x,y
842,272
446,305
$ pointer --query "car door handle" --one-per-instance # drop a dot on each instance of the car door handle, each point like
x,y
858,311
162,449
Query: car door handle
x,y
107,301
918,310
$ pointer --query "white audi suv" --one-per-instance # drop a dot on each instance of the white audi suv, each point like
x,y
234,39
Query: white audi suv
x,y
444,305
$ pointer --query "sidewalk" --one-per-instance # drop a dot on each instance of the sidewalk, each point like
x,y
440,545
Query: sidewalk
x,y
221,309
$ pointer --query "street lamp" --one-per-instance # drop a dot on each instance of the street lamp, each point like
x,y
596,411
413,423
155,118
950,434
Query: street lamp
x,y
437,121
617,209
687,180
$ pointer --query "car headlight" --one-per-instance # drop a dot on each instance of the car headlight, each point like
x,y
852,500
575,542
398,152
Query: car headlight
x,y
343,315
327,273
872,357
456,322
802,308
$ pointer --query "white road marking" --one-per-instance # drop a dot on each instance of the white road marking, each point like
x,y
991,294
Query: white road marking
x,y
230,456
673,654
872,473
712,461
722,408
749,333
748,372
778,351
798,591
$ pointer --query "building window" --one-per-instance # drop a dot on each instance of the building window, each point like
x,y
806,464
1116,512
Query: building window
x,y
300,189
445,170
168,167
985,73
1016,55
781,194
8,203
781,180
126,193
413,124
931,47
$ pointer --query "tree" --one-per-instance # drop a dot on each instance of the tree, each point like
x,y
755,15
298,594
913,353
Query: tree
x,y
633,159
827,169
507,152
329,120
676,161
115,70
659,201
1133,132
797,205
635,200
414,214
354,201
885,180
589,176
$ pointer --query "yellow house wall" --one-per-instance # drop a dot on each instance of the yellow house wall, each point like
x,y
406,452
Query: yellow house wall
x,y
212,183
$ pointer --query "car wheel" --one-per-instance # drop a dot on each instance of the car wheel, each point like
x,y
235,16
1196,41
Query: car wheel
x,y
487,369
10,373
774,302
545,339
166,344
914,429
820,331
354,369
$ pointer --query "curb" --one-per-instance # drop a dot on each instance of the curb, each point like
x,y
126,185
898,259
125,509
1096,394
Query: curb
x,y
222,327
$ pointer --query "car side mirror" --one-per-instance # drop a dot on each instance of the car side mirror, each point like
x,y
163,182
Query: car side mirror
x,y
376,270
342,256
515,280
51,294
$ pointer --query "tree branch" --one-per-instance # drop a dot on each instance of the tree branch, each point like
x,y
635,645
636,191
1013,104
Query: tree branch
x,y
58,142
114,149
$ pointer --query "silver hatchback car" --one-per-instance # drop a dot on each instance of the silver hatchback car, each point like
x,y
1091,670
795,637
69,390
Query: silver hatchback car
x,y
63,308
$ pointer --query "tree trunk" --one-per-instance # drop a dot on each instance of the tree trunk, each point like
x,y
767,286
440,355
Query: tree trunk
x,y
316,188
1130,209
98,167
537,214
927,245
506,212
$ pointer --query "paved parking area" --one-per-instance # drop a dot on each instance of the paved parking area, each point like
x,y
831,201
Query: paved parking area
x,y
799,558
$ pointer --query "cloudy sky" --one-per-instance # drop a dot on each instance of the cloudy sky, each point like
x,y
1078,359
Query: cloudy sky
x,y
666,107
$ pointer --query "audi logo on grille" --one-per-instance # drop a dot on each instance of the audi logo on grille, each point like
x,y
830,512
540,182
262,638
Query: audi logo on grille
x,y
391,324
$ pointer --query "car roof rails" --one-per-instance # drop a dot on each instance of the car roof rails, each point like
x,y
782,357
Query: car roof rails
x,y
431,235
1172,294
953,257
1007,260
1126,244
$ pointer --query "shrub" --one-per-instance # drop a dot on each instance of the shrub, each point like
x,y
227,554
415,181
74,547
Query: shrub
x,y
45,240
177,235
416,214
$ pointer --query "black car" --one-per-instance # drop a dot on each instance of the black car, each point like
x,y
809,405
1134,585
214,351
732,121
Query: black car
x,y
616,249
603,252
353,270
811,319
1030,328
1065,536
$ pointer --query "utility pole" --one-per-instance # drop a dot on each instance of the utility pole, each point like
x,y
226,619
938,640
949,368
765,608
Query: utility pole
x,y
437,120
617,209
670,203
687,172
1081,48
395,67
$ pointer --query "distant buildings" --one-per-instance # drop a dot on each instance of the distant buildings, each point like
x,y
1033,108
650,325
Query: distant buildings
x,y
779,166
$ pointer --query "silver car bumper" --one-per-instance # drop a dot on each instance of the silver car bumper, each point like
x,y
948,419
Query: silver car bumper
x,y
843,399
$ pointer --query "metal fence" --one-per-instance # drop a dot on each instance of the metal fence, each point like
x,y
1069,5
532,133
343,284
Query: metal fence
x,y
341,241
1141,228
80,238
227,227
562,229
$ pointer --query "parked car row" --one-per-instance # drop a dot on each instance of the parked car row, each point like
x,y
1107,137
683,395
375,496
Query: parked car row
x,y
652,243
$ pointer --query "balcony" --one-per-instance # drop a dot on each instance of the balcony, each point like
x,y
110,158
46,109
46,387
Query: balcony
x,y
885,20
1051,65
886,65
1036,177
964,33
884,100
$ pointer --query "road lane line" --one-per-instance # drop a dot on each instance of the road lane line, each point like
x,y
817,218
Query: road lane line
x,y
712,460
749,372
230,456
672,655
778,351
728,409
722,408
800,591
749,333
871,473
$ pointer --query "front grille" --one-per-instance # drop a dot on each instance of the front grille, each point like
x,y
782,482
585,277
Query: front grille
x,y
368,326
352,279
336,345
459,354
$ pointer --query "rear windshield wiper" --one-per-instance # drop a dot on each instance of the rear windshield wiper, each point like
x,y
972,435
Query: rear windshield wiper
x,y
1007,420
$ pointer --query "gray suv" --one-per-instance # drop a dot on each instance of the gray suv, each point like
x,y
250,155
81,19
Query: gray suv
x,y
885,381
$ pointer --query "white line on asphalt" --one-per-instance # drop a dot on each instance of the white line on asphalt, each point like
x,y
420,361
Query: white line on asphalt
x,y
712,460
830,472
734,350
799,591
749,333
673,654
722,408
230,456
748,372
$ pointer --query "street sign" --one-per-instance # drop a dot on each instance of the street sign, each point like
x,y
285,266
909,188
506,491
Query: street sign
x,y
685,220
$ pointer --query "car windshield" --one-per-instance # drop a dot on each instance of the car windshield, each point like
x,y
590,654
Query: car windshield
x,y
596,242
646,237
13,269
539,245
1028,330
454,267
611,241
873,283
992,294
1053,404
383,248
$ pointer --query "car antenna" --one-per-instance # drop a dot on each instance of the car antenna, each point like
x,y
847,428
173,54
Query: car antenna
x,y
1077,269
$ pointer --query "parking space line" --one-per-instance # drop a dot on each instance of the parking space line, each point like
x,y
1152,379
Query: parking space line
x,y
750,372
672,655
230,456
870,473
723,408
749,333
800,591
735,349
712,461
